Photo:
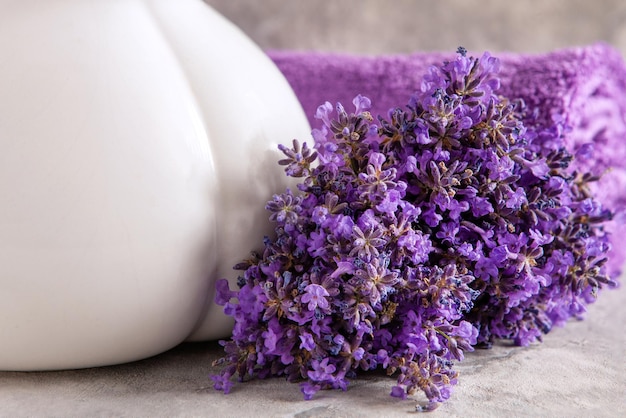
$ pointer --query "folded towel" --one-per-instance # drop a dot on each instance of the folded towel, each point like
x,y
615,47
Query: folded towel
x,y
584,86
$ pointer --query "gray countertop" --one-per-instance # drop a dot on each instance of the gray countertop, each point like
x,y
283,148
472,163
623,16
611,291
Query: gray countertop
x,y
578,371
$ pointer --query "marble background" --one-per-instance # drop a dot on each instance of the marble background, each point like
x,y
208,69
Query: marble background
x,y
379,26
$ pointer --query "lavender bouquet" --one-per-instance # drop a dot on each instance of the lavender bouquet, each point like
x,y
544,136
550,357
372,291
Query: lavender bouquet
x,y
414,237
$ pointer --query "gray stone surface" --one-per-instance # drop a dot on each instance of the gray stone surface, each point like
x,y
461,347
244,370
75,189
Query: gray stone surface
x,y
579,370
384,26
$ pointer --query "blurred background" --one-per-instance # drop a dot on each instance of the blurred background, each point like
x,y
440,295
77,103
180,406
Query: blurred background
x,y
386,26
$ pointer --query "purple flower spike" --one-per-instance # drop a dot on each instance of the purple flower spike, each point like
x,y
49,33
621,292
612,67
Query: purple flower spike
x,y
461,218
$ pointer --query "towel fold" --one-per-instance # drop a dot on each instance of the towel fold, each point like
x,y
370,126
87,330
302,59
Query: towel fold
x,y
584,86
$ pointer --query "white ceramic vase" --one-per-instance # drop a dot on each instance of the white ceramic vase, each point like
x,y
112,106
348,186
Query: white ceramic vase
x,y
137,148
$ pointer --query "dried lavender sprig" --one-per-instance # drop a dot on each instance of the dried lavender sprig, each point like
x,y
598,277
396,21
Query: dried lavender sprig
x,y
448,225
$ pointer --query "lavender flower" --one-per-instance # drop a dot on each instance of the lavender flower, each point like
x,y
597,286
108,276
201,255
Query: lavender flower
x,y
315,297
450,223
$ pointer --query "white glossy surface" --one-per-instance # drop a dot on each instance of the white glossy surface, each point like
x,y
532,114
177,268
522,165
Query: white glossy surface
x,y
137,148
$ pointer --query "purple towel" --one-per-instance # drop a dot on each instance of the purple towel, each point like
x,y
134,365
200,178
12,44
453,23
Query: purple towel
x,y
586,86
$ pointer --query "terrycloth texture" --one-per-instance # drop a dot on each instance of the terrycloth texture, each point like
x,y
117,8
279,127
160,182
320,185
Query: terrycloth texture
x,y
585,86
